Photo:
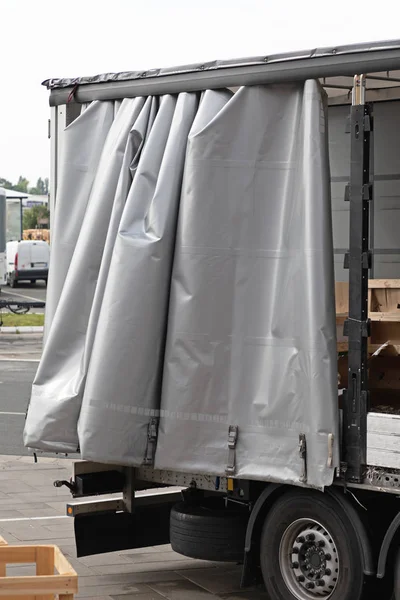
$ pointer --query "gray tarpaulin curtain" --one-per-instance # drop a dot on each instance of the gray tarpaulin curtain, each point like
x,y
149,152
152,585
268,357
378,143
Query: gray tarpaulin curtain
x,y
192,287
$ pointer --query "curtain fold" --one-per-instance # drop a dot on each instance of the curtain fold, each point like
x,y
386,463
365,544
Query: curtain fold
x,y
251,340
196,287
56,393
81,152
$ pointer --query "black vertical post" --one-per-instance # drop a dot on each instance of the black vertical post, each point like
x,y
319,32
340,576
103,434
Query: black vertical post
x,y
21,216
355,405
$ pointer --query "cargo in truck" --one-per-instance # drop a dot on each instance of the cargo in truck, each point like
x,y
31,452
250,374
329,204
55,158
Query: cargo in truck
x,y
221,341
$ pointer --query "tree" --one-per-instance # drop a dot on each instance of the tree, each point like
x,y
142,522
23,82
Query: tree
x,y
42,187
33,215
5,183
22,185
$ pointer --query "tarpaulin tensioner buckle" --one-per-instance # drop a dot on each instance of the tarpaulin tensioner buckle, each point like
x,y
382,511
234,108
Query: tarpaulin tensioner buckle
x,y
232,440
152,432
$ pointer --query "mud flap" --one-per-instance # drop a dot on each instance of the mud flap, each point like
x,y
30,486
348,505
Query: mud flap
x,y
108,532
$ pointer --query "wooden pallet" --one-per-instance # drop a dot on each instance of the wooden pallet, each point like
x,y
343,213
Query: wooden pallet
x,y
46,584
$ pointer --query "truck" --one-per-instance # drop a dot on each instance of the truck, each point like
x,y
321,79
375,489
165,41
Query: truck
x,y
222,324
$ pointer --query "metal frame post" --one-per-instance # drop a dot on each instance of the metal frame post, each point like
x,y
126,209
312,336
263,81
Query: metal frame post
x,y
357,326
57,125
53,136
21,217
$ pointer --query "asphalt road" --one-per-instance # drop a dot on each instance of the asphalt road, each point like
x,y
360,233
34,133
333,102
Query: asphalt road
x,y
15,386
25,291
19,356
16,377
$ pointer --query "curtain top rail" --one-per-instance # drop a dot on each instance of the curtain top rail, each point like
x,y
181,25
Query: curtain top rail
x,y
295,66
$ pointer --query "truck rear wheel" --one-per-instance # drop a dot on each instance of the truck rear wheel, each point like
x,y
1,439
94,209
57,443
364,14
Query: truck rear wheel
x,y
309,550
209,532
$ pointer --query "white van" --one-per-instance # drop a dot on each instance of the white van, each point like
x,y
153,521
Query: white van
x,y
27,261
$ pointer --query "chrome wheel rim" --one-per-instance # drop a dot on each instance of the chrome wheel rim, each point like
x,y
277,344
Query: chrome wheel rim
x,y
309,560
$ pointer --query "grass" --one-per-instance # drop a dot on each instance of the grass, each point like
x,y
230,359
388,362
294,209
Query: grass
x,y
28,320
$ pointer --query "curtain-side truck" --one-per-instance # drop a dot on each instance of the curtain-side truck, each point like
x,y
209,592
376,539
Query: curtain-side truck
x,y
342,543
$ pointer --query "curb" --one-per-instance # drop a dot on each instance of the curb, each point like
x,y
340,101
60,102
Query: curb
x,y
21,330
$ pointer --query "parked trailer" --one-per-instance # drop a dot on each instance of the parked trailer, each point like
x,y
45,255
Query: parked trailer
x,y
307,538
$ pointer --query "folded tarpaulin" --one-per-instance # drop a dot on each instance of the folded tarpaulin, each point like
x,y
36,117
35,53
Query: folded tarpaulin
x,y
197,290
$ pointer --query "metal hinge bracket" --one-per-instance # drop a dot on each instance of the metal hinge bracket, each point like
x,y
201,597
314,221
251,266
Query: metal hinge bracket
x,y
367,192
368,122
360,326
232,441
366,260
303,456
152,431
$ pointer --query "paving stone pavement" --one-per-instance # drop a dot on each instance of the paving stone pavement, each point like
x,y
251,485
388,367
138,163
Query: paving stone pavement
x,y
32,511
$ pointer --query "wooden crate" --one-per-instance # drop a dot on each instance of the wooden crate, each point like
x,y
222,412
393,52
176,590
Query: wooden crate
x,y
383,310
46,584
383,440
383,344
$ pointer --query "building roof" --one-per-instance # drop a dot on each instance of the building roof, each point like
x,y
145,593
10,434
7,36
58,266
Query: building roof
x,y
15,194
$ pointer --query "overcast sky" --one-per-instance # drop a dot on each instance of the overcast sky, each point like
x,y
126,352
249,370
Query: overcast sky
x,y
40,39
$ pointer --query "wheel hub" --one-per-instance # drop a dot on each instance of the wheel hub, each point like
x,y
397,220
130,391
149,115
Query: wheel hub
x,y
309,560
312,560
315,558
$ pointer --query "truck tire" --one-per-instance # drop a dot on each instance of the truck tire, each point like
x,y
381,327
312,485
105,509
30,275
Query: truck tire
x,y
208,532
309,549
13,282
396,593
